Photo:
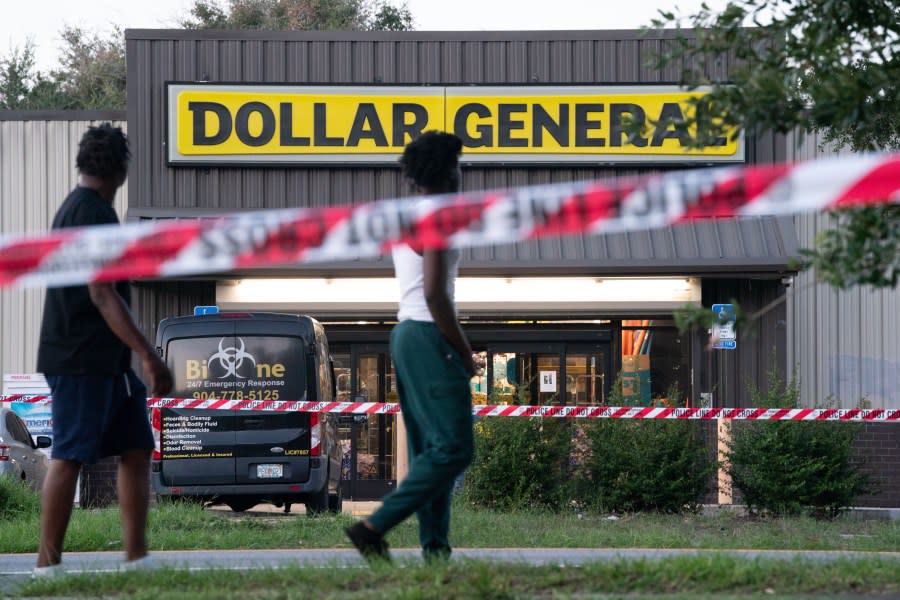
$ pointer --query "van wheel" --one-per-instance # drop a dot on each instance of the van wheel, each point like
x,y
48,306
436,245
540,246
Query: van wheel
x,y
241,504
336,500
317,502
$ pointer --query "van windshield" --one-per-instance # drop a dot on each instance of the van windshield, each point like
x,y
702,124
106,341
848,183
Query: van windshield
x,y
244,367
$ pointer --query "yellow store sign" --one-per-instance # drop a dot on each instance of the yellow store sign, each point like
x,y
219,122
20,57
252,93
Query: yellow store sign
x,y
264,124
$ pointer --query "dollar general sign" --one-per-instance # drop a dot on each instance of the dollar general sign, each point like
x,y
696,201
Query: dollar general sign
x,y
258,124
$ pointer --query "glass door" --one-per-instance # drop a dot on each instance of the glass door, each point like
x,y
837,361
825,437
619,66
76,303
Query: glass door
x,y
548,374
525,374
366,374
586,377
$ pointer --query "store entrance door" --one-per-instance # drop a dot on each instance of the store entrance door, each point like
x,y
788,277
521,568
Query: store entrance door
x,y
366,374
548,373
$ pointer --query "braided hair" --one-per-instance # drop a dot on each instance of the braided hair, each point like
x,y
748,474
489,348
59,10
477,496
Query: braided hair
x,y
103,152
431,161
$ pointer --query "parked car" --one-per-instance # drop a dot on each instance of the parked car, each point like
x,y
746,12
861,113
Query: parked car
x,y
244,457
20,454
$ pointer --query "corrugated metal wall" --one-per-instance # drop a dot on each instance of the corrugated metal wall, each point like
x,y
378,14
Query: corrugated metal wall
x,y
384,58
37,171
845,344
524,58
731,374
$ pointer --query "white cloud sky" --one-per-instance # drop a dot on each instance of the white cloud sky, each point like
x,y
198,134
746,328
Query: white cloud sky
x,y
41,20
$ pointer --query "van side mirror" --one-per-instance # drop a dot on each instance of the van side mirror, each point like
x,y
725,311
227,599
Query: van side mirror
x,y
44,441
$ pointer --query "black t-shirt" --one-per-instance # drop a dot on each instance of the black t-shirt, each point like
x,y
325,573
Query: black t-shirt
x,y
75,340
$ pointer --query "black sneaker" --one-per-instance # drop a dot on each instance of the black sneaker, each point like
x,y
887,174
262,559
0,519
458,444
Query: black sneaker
x,y
370,543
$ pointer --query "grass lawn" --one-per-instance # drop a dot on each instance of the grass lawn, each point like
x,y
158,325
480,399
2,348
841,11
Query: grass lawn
x,y
185,526
682,577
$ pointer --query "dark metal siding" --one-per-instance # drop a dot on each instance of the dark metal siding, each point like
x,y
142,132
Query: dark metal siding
x,y
746,247
760,346
749,247
523,58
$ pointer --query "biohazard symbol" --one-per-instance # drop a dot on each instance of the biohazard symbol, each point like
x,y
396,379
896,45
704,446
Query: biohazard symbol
x,y
231,359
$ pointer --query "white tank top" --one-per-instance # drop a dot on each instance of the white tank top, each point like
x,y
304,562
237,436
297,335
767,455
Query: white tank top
x,y
408,268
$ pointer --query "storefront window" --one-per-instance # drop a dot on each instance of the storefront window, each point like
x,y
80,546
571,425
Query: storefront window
x,y
503,384
655,364
524,378
547,375
342,377
479,381
585,379
374,442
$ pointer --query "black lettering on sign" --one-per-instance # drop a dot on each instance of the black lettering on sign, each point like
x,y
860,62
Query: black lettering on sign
x,y
286,135
506,125
541,120
460,128
668,126
403,131
199,111
583,125
638,118
366,114
242,124
320,127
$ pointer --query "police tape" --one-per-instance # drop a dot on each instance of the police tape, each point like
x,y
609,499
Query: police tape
x,y
512,410
170,248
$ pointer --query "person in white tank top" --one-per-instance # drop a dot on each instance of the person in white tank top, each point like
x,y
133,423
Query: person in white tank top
x,y
433,362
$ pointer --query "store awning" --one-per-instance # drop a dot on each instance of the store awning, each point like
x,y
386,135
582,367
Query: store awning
x,y
751,247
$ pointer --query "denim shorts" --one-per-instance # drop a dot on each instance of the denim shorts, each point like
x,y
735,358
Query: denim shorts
x,y
95,416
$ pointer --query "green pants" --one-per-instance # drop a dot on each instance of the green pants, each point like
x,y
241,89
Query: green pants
x,y
436,401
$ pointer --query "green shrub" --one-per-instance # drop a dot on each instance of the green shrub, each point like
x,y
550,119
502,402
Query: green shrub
x,y
519,463
787,467
631,466
16,500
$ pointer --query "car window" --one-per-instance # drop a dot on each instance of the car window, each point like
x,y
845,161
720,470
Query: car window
x,y
17,429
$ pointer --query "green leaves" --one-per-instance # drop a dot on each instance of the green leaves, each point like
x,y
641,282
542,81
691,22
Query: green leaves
x,y
863,248
91,74
299,15
787,467
830,66
807,65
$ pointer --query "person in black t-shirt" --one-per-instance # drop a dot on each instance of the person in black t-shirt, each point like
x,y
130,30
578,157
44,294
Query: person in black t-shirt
x,y
87,336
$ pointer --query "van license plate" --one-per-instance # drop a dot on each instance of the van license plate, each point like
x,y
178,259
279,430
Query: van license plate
x,y
269,471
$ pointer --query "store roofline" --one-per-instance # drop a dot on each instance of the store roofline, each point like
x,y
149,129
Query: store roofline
x,y
63,115
775,255
406,36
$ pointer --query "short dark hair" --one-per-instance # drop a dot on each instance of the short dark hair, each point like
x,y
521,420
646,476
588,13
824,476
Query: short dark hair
x,y
430,161
103,152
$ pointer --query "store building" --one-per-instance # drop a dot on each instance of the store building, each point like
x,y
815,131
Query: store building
x,y
230,121
578,310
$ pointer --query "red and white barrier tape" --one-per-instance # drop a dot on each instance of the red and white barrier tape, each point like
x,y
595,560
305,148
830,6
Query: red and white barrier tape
x,y
277,237
509,410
